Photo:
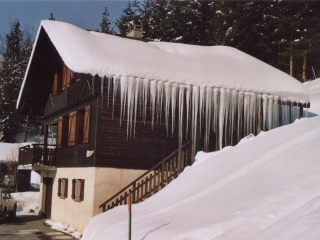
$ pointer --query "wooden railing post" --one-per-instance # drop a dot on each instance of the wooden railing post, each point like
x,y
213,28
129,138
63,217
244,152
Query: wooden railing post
x,y
45,145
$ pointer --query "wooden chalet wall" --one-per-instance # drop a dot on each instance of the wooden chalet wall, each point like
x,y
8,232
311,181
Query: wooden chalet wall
x,y
143,151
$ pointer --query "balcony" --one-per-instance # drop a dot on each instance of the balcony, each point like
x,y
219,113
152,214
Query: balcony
x,y
37,156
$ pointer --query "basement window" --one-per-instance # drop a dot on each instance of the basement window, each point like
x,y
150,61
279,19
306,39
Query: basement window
x,y
63,187
78,190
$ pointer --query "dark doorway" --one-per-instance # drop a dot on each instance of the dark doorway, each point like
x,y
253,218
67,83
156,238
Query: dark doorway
x,y
48,196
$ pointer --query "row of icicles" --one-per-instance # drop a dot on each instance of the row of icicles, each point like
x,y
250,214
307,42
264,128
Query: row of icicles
x,y
198,107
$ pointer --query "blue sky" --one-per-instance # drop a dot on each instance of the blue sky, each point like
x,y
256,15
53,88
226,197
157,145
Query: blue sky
x,y
85,14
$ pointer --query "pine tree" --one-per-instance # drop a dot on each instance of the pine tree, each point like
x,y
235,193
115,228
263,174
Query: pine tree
x,y
16,54
131,15
105,25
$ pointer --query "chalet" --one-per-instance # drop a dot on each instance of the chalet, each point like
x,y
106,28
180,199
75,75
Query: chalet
x,y
128,115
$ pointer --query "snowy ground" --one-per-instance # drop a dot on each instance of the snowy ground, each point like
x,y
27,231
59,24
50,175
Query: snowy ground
x,y
27,203
266,187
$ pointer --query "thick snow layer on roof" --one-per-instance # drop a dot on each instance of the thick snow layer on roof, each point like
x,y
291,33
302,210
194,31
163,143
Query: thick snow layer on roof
x,y
266,187
216,66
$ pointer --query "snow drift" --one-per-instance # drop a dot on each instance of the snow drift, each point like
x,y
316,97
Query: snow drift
x,y
266,187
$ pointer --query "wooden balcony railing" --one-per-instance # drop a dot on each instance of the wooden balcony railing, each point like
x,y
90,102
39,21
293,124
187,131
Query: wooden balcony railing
x,y
37,155
153,180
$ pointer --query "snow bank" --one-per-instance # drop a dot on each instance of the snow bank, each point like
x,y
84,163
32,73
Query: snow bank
x,y
9,151
64,228
214,66
314,90
27,203
267,187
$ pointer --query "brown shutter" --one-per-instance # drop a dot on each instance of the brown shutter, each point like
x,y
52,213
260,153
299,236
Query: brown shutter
x,y
59,186
86,124
68,76
73,189
59,140
55,84
66,188
72,128
82,190
64,77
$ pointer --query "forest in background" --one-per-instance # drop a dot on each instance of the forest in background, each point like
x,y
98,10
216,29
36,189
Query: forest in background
x,y
284,34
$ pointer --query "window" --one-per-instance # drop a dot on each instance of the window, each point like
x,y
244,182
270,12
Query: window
x,y
63,187
78,190
63,129
74,128
62,79
83,125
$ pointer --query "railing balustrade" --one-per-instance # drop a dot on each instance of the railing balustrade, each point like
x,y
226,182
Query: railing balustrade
x,y
37,155
153,180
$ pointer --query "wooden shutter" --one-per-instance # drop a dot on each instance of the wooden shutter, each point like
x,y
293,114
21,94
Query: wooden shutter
x,y
64,77
59,140
55,84
86,124
68,76
72,128
59,186
66,188
82,190
73,189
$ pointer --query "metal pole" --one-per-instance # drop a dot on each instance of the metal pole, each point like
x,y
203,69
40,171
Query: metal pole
x,y
129,209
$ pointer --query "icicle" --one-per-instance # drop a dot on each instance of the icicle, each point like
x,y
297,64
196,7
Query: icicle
x,y
153,95
159,101
174,91
253,104
101,91
240,114
246,119
215,109
275,112
234,100
188,96
270,107
195,109
124,92
167,90
115,90
137,99
181,106
109,86
208,109
146,85
221,116
131,82
227,109
259,127
201,105
264,109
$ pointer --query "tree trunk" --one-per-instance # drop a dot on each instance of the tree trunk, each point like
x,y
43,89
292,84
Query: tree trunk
x,y
291,59
304,67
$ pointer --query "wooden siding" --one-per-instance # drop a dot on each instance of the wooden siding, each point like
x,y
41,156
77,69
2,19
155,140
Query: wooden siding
x,y
143,151
72,94
75,156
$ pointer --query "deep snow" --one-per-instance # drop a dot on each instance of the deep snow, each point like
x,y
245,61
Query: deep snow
x,y
27,203
266,187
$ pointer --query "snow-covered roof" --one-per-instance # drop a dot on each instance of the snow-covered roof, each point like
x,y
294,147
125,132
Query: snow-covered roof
x,y
216,66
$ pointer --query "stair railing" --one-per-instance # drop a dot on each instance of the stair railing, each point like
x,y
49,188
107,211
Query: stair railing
x,y
154,179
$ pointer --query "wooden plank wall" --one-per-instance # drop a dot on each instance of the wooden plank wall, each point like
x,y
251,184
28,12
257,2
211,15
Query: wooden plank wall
x,y
142,152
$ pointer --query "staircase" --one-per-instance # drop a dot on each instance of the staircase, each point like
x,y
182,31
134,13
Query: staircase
x,y
153,180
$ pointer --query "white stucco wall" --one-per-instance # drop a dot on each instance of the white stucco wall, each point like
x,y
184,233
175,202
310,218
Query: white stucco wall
x,y
109,181
100,185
